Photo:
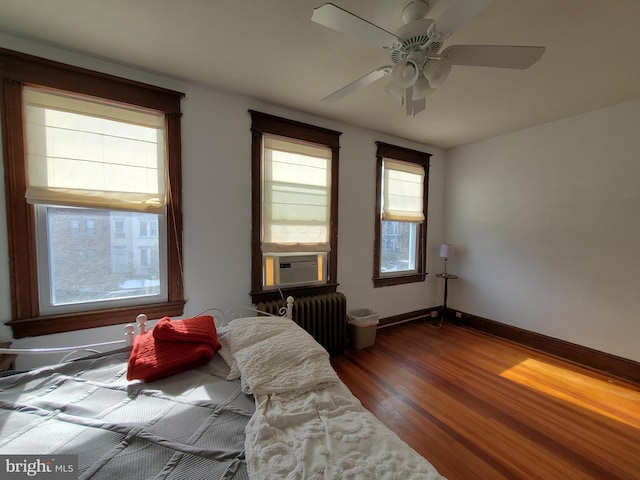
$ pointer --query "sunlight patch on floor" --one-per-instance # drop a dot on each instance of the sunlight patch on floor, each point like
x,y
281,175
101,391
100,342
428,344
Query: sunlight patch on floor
x,y
602,397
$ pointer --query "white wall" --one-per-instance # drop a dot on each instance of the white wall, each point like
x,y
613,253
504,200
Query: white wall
x,y
217,205
546,223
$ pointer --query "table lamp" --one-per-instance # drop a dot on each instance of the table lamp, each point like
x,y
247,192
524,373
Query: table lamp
x,y
446,252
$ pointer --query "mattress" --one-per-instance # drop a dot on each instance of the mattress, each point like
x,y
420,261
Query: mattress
x,y
190,425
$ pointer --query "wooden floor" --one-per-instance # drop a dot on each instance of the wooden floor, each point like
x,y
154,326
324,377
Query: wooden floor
x,y
478,407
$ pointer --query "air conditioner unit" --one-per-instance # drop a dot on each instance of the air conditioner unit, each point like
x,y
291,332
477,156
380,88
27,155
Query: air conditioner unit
x,y
296,269
290,270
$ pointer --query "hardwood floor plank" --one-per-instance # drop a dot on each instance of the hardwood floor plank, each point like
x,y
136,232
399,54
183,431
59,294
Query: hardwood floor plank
x,y
480,407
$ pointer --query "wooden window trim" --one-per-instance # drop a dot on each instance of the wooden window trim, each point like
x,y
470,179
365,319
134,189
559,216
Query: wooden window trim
x,y
16,70
407,155
262,123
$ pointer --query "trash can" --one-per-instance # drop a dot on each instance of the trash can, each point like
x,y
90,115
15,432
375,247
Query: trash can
x,y
362,327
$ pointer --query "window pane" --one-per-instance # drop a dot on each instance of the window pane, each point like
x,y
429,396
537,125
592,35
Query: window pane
x,y
398,247
97,255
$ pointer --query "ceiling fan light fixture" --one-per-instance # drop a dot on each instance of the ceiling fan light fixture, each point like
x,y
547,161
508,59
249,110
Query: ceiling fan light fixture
x,y
405,73
415,10
421,88
436,71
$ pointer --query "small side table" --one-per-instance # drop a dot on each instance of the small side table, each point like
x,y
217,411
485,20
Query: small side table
x,y
447,277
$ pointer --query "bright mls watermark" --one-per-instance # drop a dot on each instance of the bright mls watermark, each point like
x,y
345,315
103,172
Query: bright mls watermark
x,y
51,467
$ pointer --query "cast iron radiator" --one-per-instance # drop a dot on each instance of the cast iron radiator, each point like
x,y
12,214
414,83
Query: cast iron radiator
x,y
323,316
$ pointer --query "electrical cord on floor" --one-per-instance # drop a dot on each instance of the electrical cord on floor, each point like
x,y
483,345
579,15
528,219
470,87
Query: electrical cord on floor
x,y
438,323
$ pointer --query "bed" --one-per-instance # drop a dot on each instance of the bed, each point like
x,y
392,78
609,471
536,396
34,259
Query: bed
x,y
266,405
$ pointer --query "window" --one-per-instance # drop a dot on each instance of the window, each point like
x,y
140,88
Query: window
x,y
295,208
74,227
144,257
90,225
118,230
401,215
88,157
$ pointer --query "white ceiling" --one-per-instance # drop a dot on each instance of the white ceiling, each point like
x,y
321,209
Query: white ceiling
x,y
271,50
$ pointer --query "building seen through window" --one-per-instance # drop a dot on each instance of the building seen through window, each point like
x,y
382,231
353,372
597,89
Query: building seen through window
x,y
398,252
101,262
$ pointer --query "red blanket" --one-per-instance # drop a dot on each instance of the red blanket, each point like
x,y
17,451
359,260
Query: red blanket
x,y
193,330
172,347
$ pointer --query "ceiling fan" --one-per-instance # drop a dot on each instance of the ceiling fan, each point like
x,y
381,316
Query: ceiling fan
x,y
418,67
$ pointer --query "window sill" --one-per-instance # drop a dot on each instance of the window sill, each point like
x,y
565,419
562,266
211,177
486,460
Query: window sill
x,y
388,281
33,327
305,291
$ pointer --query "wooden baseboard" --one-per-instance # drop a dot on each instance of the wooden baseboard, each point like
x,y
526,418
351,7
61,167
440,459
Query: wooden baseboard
x,y
605,362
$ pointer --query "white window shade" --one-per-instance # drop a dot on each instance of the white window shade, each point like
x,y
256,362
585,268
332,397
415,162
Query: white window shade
x,y
402,191
86,153
296,201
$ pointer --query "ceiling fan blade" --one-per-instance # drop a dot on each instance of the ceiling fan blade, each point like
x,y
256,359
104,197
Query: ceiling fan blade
x,y
361,82
501,56
336,18
458,14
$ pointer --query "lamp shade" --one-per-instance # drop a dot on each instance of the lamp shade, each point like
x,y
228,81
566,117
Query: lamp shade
x,y
446,250
421,88
436,72
405,73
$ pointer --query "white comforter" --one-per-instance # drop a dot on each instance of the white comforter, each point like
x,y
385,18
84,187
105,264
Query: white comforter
x,y
307,423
